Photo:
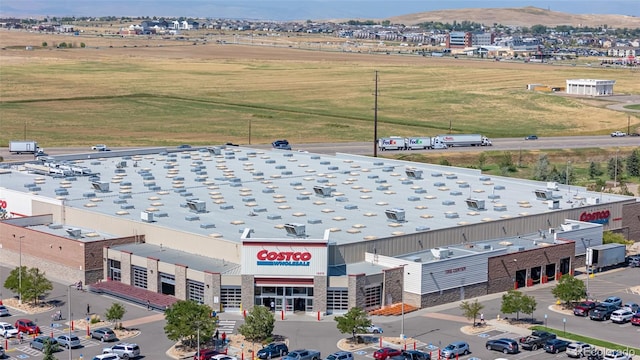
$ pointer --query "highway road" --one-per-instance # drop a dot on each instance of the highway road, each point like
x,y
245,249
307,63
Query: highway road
x,y
363,148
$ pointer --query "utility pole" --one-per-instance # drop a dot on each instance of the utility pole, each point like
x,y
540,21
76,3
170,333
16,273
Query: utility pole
x,y
628,125
375,117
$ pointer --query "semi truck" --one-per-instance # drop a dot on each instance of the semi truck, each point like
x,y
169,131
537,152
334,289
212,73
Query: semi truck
x,y
464,140
24,147
603,256
392,143
411,143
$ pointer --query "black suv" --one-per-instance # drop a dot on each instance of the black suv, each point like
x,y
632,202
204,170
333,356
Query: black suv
x,y
602,312
281,144
273,350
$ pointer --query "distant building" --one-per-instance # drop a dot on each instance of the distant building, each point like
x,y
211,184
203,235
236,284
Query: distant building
x,y
590,87
459,40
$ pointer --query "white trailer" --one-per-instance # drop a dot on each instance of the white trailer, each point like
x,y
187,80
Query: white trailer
x,y
23,147
464,140
392,143
424,143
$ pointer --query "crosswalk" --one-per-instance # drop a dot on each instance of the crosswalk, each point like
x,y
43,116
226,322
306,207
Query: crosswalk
x,y
227,326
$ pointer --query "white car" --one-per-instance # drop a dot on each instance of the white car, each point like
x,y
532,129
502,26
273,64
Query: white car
x,y
621,316
223,357
616,355
372,329
7,330
578,349
100,147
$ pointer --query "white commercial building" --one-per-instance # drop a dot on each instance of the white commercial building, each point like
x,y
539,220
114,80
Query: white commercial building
x,y
590,87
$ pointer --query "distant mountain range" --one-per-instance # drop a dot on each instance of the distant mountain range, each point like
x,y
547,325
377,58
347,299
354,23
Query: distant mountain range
x,y
524,16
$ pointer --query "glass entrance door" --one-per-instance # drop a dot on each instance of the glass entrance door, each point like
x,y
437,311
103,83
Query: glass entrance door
x,y
287,298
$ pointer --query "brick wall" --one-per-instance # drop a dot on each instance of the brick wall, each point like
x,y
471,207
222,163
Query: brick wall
x,y
631,221
320,293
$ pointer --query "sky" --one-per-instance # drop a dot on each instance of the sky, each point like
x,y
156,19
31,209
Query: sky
x,y
283,10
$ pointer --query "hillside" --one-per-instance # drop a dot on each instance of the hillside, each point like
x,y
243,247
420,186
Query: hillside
x,y
525,16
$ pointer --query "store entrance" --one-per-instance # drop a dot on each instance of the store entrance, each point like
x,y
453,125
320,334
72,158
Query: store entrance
x,y
288,298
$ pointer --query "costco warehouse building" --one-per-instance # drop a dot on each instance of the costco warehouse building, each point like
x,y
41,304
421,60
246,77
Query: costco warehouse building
x,y
234,227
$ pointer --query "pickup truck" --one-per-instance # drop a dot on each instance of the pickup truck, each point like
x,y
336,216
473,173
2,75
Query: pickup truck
x,y
303,355
603,311
536,340
618,134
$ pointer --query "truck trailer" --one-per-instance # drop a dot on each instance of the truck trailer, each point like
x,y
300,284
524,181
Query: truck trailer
x,y
24,147
392,143
424,143
464,140
603,256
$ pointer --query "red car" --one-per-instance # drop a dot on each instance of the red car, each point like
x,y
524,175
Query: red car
x,y
584,307
635,320
205,354
385,352
27,326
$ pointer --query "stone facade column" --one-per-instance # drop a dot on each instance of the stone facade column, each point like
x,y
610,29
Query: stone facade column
x,y
320,294
248,292
125,267
356,290
393,285
105,263
212,292
181,281
153,278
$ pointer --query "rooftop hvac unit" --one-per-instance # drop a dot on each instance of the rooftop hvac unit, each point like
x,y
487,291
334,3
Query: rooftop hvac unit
x,y
75,233
593,201
475,204
552,186
121,164
295,230
215,150
543,194
414,174
569,227
554,204
100,186
197,206
395,215
440,253
146,216
322,191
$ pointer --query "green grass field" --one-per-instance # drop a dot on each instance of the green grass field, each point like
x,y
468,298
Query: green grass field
x,y
138,97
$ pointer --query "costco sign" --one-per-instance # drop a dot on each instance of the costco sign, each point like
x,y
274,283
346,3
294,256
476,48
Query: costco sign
x,y
598,217
283,258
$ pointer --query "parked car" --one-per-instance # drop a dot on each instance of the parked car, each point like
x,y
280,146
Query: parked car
x,y
412,355
616,355
455,348
69,341
385,352
621,316
555,346
507,346
273,350
103,334
578,349
184,146
281,144
635,320
634,262
123,350
613,300
205,354
106,357
373,329
223,357
340,355
7,330
4,311
40,342
27,326
633,307
584,307
531,137
602,311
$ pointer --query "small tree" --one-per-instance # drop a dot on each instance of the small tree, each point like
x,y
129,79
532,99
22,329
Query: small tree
x,y
44,44
353,322
528,305
512,303
115,313
471,309
185,319
49,348
569,289
13,282
482,160
38,284
258,325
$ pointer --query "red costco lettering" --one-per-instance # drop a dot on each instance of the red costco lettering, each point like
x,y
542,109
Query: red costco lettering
x,y
283,255
3,204
596,215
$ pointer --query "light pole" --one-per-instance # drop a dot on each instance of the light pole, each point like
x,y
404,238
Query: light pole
x,y
615,173
69,316
588,261
566,179
402,304
19,269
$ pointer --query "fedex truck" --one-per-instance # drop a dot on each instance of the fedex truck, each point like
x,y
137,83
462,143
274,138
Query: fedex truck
x,y
464,140
424,143
392,143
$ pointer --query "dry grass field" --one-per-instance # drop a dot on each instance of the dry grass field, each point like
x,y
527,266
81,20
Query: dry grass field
x,y
139,92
